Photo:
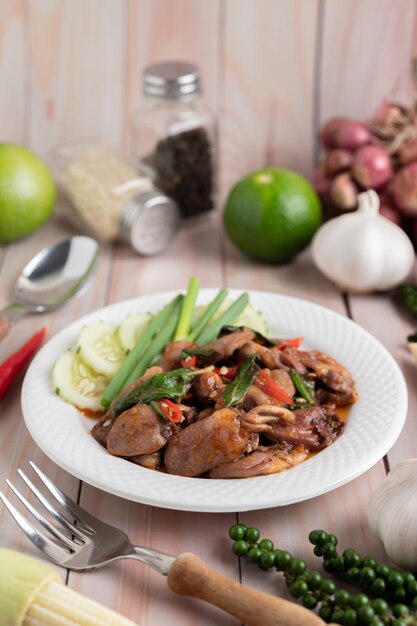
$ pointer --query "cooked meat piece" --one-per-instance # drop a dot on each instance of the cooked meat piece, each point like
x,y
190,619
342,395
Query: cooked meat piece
x,y
205,413
150,461
255,397
283,379
139,430
171,358
225,346
270,357
290,357
151,371
196,449
266,460
208,387
315,428
261,418
341,386
101,429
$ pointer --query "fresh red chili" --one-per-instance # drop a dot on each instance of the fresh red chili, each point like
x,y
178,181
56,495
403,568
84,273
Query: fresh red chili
x,y
294,343
10,369
268,385
189,361
170,410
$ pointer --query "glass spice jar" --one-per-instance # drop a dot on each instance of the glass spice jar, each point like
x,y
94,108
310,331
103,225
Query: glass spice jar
x,y
176,134
104,195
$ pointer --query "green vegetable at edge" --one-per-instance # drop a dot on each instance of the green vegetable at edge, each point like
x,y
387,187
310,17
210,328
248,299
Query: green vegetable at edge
x,y
207,315
211,332
301,387
238,387
187,309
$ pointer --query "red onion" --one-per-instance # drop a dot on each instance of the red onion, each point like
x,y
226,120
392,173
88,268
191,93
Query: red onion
x,y
337,161
320,183
328,131
371,167
403,189
343,192
388,210
351,135
407,152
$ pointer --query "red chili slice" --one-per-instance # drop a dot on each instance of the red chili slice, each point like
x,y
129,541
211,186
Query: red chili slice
x,y
268,385
189,361
10,369
294,343
170,410
226,372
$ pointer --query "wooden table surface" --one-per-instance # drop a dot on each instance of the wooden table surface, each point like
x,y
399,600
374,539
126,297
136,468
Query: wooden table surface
x,y
129,587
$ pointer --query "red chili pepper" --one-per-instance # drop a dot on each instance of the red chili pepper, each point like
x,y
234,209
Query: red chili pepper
x,y
268,385
10,369
294,343
189,361
170,410
226,372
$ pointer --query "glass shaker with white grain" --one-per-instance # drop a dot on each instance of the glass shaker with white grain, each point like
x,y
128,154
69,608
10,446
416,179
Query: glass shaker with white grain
x,y
105,196
175,133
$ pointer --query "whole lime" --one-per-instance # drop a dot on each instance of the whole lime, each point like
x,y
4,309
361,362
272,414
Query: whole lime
x,y
272,214
27,192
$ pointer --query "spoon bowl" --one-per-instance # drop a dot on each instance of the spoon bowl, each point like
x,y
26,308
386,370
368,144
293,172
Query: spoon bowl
x,y
50,278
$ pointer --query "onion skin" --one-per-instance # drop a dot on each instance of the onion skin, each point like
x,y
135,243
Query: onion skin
x,y
320,183
336,161
344,192
403,189
371,167
328,131
390,212
407,152
351,135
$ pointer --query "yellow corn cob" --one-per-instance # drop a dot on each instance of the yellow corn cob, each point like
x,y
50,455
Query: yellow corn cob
x,y
32,594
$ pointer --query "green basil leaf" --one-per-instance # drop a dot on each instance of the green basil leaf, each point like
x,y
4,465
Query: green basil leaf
x,y
235,390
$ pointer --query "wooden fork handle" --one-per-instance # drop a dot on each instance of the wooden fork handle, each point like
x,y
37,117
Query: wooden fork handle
x,y
190,576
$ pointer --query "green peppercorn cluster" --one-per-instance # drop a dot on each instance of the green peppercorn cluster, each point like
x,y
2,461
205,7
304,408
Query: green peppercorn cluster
x,y
382,585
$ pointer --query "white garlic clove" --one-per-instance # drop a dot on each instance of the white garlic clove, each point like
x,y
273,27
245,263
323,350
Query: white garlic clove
x,y
362,251
392,514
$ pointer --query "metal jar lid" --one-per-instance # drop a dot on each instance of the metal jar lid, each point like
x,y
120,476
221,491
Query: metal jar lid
x,y
149,221
171,79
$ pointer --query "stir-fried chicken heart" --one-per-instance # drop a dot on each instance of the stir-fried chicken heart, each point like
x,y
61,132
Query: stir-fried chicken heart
x,y
225,346
273,358
315,428
208,387
139,430
265,460
171,358
340,385
150,461
218,438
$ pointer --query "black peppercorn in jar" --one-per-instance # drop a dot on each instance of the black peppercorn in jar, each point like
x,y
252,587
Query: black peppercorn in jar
x,y
175,134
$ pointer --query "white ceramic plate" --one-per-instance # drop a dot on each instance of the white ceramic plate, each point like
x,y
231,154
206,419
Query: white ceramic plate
x,y
373,426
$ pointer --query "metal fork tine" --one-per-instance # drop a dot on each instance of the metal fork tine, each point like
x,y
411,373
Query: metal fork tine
x,y
72,507
71,545
48,547
76,531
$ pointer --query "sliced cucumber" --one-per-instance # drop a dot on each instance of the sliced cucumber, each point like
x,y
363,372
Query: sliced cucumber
x,y
75,382
98,346
132,328
250,317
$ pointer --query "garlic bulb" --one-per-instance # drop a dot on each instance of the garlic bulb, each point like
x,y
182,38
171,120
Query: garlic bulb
x,y
392,514
362,251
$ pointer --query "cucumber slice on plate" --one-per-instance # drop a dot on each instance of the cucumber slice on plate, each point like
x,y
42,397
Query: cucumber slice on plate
x,y
98,346
132,328
75,382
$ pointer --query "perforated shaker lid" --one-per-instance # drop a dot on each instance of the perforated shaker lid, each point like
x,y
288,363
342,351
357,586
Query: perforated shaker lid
x,y
171,79
149,221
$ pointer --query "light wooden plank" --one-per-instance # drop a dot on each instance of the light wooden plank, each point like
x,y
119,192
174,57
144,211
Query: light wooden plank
x,y
366,51
76,71
13,53
162,30
267,100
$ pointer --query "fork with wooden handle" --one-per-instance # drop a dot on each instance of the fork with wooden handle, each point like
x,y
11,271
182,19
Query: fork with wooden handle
x,y
90,543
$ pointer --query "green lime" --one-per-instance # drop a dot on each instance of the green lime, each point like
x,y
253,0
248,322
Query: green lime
x,y
27,192
272,214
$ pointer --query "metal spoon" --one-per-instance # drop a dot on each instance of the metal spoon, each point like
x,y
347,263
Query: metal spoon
x,y
51,277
